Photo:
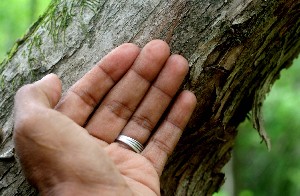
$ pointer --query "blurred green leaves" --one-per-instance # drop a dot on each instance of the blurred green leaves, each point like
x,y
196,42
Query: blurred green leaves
x,y
276,172
15,18
256,170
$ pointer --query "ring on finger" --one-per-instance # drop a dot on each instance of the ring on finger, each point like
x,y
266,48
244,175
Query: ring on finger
x,y
132,143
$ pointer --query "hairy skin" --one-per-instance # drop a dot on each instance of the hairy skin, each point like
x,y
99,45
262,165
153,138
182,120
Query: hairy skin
x,y
64,150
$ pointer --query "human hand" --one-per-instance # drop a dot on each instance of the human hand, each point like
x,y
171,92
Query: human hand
x,y
67,146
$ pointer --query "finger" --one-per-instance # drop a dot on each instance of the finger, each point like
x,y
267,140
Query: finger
x,y
114,112
157,99
85,94
43,94
163,142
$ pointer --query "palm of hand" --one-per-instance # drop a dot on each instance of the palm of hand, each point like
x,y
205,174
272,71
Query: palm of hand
x,y
71,152
138,172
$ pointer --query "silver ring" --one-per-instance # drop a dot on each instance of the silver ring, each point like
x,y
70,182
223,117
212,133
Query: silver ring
x,y
134,144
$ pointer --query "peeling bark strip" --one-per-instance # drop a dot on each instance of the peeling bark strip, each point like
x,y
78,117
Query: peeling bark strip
x,y
236,50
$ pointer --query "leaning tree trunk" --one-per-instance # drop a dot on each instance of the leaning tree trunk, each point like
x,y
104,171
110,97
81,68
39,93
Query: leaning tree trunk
x,y
236,49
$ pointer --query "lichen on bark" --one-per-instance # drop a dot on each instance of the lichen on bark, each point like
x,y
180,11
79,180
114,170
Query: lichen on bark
x,y
235,48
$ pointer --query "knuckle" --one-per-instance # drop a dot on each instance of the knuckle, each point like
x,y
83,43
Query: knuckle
x,y
24,123
162,146
144,122
24,90
119,109
86,96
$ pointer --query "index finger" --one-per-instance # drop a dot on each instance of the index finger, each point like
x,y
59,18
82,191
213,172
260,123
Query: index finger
x,y
84,95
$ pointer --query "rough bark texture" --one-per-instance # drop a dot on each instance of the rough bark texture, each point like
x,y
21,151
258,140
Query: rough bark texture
x,y
236,49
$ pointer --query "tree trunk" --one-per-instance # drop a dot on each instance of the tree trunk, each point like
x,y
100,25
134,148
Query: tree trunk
x,y
236,49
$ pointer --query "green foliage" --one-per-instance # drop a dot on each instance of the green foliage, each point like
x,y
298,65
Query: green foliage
x,y
257,171
15,18
276,172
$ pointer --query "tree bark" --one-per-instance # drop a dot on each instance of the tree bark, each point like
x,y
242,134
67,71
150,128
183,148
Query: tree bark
x,y
236,49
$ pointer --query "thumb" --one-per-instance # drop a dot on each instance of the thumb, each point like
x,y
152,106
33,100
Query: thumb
x,y
50,86
43,93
